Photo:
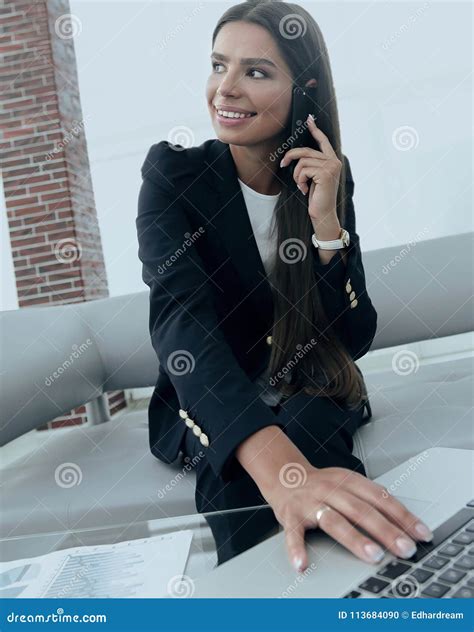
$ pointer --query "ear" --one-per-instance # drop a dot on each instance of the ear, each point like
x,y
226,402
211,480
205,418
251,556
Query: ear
x,y
311,83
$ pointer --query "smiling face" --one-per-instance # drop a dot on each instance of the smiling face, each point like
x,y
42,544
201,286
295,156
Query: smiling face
x,y
248,75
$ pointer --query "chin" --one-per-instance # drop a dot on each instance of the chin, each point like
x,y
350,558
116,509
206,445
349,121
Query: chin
x,y
232,138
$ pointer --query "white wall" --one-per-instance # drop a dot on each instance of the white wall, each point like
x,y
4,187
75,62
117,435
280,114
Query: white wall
x,y
142,71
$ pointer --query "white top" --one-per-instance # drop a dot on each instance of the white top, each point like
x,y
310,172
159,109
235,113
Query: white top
x,y
260,208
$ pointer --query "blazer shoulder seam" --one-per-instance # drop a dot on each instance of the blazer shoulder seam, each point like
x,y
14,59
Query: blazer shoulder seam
x,y
167,163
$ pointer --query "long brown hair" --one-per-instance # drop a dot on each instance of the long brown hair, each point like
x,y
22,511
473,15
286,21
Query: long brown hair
x,y
303,340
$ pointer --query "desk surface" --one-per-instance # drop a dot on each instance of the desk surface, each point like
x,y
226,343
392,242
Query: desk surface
x,y
202,557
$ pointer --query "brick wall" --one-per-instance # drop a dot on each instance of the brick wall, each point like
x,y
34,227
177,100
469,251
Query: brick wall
x,y
52,219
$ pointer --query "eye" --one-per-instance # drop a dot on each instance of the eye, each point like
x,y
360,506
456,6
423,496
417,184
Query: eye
x,y
216,63
257,70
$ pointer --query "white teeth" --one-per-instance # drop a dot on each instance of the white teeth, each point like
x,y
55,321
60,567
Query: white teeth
x,y
233,114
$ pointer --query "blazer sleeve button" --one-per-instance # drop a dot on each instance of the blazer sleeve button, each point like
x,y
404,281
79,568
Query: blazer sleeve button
x,y
204,439
189,422
352,296
196,430
354,303
348,288
183,413
269,340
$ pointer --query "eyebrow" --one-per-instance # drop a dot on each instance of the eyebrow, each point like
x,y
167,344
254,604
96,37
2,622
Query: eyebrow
x,y
246,61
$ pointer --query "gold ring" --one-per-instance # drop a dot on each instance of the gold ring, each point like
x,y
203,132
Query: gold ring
x,y
321,510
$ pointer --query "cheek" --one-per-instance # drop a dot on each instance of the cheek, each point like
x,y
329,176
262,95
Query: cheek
x,y
276,105
277,114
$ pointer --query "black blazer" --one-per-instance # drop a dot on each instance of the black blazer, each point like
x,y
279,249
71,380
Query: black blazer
x,y
211,307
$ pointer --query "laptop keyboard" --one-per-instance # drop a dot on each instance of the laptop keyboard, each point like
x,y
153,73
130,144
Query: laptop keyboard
x,y
442,568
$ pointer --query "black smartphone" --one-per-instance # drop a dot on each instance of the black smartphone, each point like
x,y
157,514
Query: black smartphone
x,y
303,103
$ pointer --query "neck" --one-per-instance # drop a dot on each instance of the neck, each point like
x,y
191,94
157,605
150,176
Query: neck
x,y
255,168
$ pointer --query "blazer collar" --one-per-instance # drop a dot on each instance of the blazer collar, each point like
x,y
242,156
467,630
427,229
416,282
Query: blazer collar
x,y
232,221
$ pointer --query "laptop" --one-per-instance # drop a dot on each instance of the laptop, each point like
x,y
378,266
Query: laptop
x,y
437,485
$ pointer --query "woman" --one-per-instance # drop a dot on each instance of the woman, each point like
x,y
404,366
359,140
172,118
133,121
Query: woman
x,y
257,323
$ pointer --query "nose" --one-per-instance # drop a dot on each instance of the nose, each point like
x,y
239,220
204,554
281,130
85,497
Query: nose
x,y
228,86
226,90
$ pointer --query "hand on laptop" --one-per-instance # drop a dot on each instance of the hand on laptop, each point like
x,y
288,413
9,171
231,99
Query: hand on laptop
x,y
348,500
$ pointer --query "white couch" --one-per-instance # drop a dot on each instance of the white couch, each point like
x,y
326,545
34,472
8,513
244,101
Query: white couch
x,y
424,293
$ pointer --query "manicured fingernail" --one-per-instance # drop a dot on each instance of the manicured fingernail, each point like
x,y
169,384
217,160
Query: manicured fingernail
x,y
374,552
282,163
310,118
406,547
298,563
303,192
424,531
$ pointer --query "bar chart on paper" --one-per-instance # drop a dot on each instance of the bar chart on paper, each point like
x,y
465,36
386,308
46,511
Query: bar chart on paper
x,y
137,568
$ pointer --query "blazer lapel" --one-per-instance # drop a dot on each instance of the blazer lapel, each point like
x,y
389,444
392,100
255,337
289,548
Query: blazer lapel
x,y
233,223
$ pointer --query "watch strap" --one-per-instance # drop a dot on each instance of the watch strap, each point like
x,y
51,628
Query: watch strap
x,y
333,244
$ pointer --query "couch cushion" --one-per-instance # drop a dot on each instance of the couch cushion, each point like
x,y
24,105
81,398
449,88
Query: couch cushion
x,y
89,476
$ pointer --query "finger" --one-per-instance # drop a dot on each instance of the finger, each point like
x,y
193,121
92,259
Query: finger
x,y
306,162
316,174
304,175
300,152
295,544
362,514
299,176
380,497
321,137
335,525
